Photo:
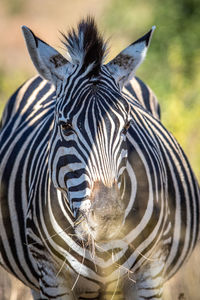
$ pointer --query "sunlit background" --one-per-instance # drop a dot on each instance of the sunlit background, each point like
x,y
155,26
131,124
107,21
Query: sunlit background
x,y
171,69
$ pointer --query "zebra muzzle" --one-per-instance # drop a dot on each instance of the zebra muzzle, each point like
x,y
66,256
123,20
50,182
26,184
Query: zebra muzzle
x,y
105,217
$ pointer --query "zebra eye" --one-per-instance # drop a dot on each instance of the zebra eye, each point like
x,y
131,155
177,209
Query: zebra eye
x,y
126,127
66,128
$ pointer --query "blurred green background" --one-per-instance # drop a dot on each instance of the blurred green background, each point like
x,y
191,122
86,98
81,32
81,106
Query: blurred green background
x,y
171,69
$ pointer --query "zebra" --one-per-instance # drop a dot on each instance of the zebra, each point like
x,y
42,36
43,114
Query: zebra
x,y
97,198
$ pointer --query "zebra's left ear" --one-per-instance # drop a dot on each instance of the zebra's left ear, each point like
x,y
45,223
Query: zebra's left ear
x,y
50,64
123,66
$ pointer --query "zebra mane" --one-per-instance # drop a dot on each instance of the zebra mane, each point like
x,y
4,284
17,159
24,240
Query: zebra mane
x,y
86,46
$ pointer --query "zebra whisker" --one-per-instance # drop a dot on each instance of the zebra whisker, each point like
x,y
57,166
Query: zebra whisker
x,y
79,270
79,220
116,286
62,266
92,252
142,255
50,237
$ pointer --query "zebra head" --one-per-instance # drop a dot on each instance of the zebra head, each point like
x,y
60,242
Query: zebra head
x,y
88,146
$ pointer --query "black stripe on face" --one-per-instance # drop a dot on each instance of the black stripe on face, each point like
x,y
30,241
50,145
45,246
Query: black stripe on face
x,y
96,115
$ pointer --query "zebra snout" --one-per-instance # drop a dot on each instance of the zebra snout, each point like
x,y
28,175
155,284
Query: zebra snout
x,y
106,214
105,223
105,217
102,214
106,200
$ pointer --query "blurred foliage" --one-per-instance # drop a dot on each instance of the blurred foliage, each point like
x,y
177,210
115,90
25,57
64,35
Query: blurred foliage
x,y
15,7
173,61
8,84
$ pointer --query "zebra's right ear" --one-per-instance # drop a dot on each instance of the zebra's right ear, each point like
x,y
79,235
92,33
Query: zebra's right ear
x,y
50,64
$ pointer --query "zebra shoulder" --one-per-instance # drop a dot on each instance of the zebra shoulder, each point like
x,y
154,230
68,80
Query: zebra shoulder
x,y
24,96
144,95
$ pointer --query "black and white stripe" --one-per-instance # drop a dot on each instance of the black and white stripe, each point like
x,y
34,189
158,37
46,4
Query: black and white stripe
x,y
98,200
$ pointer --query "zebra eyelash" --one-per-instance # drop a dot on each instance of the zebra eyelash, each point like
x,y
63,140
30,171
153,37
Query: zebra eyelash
x,y
66,128
126,127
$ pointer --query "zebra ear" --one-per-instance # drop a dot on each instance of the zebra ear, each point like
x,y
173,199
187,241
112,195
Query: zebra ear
x,y
123,66
50,64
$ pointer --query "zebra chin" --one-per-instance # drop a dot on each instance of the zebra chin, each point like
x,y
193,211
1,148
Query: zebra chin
x,y
99,232
102,217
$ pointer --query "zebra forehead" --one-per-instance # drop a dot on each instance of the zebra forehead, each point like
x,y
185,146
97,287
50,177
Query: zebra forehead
x,y
96,110
87,102
85,45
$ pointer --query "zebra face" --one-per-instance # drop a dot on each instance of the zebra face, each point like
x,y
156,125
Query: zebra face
x,y
87,150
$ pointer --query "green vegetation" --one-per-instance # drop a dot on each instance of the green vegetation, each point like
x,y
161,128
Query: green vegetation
x,y
15,7
9,83
173,61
